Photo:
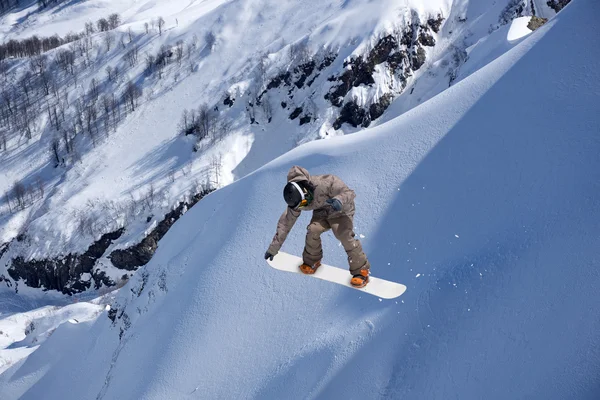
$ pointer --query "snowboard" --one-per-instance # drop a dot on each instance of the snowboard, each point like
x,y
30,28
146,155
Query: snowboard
x,y
376,286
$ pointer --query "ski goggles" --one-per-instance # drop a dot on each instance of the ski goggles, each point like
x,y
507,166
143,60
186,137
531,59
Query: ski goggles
x,y
304,194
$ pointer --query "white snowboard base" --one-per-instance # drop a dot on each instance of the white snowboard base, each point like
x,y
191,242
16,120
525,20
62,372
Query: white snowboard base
x,y
376,286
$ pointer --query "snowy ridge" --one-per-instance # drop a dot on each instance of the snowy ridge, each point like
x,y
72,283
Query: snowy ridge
x,y
489,215
122,180
107,180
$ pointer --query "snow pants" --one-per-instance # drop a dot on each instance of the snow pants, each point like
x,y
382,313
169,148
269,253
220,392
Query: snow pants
x,y
342,227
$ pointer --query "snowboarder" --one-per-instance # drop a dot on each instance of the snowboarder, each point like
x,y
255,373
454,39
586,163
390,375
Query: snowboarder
x,y
332,203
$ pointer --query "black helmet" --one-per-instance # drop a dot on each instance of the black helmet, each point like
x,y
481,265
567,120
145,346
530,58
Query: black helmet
x,y
293,194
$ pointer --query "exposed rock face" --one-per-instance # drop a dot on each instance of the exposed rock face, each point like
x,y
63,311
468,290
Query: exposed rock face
x,y
513,9
435,23
426,39
228,101
64,274
140,254
377,109
353,114
403,54
557,5
297,111
536,22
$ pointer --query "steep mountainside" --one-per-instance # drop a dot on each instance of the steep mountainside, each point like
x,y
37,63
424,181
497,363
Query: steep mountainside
x,y
147,106
483,201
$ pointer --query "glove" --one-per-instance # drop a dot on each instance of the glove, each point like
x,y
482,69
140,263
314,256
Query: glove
x,y
269,256
335,204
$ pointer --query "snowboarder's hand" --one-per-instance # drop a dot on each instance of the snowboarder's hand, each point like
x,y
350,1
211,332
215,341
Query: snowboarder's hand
x,y
335,204
269,256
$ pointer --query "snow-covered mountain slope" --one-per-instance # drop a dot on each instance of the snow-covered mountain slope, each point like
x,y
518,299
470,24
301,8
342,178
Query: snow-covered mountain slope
x,y
120,172
22,333
483,200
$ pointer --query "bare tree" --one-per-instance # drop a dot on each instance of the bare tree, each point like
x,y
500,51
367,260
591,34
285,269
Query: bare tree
x,y
3,68
161,24
55,146
132,94
109,71
39,183
146,27
179,47
26,85
94,90
19,192
210,40
103,25
3,140
216,166
109,39
116,74
89,28
132,56
150,63
222,129
39,63
114,20
66,60
47,80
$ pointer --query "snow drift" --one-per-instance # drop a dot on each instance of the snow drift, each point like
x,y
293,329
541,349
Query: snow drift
x,y
484,201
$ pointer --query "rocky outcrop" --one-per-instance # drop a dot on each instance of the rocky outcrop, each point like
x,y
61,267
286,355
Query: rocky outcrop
x,y
557,5
297,111
65,273
536,22
402,53
435,23
140,254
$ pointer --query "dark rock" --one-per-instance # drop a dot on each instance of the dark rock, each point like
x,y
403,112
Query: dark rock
x,y
426,39
557,5
536,22
327,61
140,254
3,248
305,70
408,36
309,83
284,77
418,58
283,104
296,113
377,109
361,73
305,119
436,23
228,101
513,9
382,50
112,314
397,60
351,113
64,273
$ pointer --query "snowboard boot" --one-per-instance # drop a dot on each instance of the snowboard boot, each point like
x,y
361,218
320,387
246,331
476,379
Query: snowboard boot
x,y
361,279
310,269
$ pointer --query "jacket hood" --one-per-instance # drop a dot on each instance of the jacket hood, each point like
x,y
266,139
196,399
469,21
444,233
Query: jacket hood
x,y
297,174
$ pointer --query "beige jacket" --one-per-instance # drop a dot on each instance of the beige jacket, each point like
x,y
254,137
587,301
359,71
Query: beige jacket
x,y
326,187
